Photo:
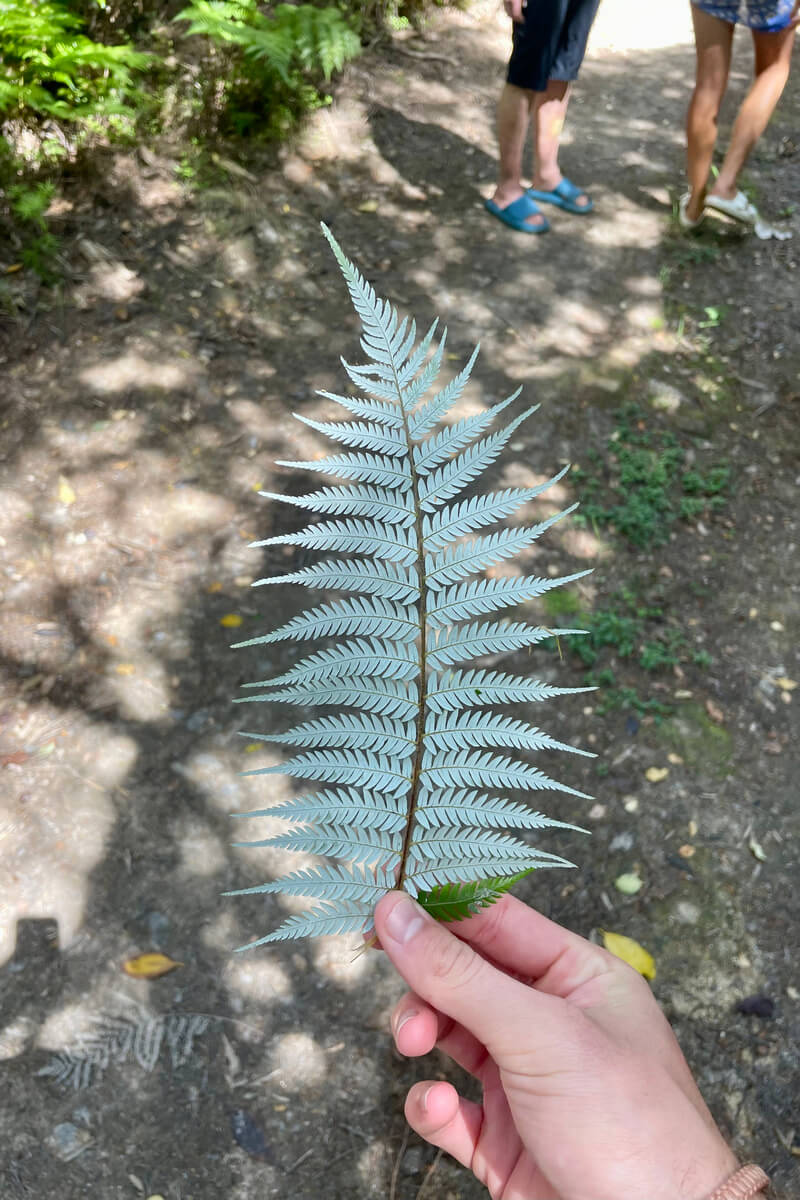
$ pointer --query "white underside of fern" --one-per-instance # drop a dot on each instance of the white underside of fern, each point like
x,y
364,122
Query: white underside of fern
x,y
412,746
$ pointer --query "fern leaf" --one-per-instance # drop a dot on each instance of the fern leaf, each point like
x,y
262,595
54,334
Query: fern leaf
x,y
388,542
443,445
479,728
389,697
457,901
375,578
468,558
389,507
453,522
371,618
488,595
475,689
367,468
412,762
363,435
361,657
454,476
347,729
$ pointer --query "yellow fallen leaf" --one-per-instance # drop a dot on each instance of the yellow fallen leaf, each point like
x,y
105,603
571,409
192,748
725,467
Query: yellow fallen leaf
x,y
756,849
149,966
687,851
251,747
231,620
786,685
216,586
125,669
12,270
656,774
368,206
630,952
66,495
629,884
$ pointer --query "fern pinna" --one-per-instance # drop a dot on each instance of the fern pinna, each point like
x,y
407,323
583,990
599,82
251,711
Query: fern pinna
x,y
410,747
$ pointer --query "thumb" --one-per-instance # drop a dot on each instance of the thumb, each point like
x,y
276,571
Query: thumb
x,y
504,1014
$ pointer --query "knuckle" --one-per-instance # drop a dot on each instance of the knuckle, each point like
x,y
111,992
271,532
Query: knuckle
x,y
454,963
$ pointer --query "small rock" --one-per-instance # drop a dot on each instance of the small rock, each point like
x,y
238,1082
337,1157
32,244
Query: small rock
x,y
412,1161
622,841
67,1141
756,1006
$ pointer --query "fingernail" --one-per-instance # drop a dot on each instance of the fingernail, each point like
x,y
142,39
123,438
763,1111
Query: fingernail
x,y
425,1094
404,921
406,1017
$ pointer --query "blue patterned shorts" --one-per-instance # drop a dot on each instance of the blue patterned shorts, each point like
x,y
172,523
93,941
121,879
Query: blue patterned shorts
x,y
765,16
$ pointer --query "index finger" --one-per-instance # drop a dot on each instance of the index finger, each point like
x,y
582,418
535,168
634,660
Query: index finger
x,y
517,938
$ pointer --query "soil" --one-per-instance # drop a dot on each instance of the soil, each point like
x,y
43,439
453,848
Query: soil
x,y
144,405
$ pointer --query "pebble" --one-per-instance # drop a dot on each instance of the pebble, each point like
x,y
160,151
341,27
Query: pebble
x,y
622,841
67,1141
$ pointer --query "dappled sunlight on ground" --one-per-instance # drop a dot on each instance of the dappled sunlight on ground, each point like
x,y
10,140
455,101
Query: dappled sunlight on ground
x,y
141,429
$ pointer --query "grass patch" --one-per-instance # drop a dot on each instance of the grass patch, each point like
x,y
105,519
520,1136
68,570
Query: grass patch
x,y
645,483
627,634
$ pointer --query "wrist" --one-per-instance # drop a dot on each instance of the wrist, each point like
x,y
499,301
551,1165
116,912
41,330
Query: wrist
x,y
745,1183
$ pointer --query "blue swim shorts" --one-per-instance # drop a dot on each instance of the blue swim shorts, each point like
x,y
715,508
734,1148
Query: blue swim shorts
x,y
765,16
551,42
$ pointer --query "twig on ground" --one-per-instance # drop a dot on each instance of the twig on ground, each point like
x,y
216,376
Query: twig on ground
x,y
429,1175
396,1168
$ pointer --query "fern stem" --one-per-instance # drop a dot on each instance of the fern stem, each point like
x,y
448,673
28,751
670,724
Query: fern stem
x,y
422,611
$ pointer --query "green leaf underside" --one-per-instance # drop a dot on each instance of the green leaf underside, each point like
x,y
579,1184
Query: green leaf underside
x,y
411,757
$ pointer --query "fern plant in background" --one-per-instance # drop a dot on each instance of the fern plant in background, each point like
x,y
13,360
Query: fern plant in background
x,y
279,55
408,776
49,65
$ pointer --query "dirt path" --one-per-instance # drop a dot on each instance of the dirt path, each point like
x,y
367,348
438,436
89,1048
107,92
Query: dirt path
x,y
138,420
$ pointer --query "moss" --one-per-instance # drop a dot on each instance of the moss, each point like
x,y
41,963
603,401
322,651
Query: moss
x,y
702,744
561,603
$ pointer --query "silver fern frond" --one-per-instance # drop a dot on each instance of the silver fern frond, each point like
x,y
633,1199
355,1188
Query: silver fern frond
x,y
413,752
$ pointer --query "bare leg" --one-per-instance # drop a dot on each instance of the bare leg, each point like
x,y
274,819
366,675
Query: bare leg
x,y
773,57
513,119
549,114
714,42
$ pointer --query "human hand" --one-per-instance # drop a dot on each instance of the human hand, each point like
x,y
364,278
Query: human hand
x,y
586,1094
513,9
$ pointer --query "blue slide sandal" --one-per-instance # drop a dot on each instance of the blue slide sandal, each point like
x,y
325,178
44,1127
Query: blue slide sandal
x,y
516,213
564,196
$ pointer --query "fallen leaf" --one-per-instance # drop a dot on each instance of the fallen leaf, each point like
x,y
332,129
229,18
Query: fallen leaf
x,y
656,774
630,952
786,685
687,851
249,1135
368,206
756,849
125,669
149,966
17,757
231,620
66,496
693,829
675,759
251,747
629,884
216,586
715,712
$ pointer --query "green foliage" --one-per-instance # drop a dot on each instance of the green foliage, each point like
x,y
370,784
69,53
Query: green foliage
x,y
408,757
278,59
49,66
645,485
628,631
457,901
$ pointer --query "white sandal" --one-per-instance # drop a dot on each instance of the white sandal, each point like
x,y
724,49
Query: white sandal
x,y
684,221
739,208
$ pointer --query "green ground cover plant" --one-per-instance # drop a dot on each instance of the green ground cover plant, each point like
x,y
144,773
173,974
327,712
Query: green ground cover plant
x,y
645,483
